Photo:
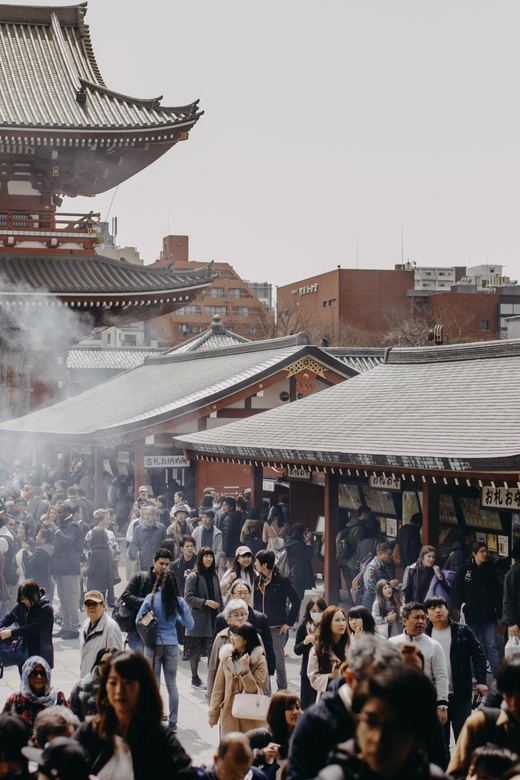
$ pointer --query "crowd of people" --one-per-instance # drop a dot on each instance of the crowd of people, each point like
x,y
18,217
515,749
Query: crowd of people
x,y
384,683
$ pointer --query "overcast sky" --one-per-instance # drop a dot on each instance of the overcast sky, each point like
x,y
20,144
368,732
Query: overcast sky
x,y
328,124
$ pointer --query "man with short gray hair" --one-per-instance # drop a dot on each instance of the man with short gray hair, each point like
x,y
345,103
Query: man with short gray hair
x,y
147,537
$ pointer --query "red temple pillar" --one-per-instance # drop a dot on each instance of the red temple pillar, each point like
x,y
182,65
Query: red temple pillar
x,y
331,575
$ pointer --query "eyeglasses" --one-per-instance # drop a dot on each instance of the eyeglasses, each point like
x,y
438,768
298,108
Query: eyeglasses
x,y
92,603
38,673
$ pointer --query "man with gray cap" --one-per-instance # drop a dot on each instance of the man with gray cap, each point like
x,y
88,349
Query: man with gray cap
x,y
98,631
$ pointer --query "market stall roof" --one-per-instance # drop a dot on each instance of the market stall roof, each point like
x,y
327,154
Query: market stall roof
x,y
452,408
168,386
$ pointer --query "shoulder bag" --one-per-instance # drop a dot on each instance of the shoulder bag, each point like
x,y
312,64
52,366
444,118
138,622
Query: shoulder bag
x,y
13,651
148,628
250,706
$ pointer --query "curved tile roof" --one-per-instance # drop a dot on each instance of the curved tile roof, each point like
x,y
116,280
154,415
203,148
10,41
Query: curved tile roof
x,y
49,77
77,275
164,387
447,408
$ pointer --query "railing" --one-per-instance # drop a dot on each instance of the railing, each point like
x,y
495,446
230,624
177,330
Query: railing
x,y
18,227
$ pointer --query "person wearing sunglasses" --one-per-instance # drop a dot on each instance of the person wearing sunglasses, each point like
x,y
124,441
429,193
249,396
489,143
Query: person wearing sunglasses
x,y
241,569
99,630
36,691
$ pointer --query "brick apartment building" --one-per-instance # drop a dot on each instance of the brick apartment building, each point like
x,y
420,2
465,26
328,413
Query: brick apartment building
x,y
228,295
373,300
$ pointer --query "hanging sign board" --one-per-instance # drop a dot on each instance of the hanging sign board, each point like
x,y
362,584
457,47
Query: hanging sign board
x,y
292,472
501,498
382,481
166,462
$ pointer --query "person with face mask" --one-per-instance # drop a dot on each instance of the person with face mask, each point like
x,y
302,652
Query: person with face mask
x,y
305,639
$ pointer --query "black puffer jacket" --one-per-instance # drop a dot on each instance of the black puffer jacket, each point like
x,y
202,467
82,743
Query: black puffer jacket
x,y
35,625
156,753
478,587
68,543
511,611
231,527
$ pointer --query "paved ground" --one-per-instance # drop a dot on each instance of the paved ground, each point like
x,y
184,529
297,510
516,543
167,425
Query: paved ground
x,y
198,738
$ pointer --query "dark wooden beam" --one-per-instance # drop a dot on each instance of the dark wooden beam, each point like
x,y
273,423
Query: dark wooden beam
x,y
331,575
430,528
257,489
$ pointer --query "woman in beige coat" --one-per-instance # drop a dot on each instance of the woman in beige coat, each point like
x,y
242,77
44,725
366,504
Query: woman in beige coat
x,y
242,669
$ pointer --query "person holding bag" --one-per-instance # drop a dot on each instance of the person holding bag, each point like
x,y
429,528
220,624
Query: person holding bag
x,y
168,607
242,669
31,619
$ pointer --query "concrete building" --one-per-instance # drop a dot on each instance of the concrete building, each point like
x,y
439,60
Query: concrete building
x,y
229,296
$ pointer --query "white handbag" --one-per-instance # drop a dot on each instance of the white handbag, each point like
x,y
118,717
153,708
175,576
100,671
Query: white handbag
x,y
250,706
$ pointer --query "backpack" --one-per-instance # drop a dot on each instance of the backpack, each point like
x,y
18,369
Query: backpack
x,y
491,715
358,585
282,561
123,615
344,547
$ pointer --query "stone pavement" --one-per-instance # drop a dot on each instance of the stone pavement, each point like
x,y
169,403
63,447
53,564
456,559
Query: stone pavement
x,y
198,739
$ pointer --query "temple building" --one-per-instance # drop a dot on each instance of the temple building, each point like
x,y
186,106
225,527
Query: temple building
x,y
63,132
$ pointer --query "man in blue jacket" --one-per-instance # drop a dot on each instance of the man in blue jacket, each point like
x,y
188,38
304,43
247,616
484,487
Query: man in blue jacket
x,y
460,647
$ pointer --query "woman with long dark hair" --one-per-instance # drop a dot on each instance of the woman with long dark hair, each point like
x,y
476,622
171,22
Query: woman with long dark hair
x,y
329,650
242,569
360,622
127,738
242,669
83,697
270,744
32,618
305,639
386,610
202,593
168,606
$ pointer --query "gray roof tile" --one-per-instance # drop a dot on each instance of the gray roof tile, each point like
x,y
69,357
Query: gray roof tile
x,y
448,408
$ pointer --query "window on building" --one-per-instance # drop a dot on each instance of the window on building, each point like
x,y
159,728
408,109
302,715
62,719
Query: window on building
x,y
222,310
192,309
332,302
234,292
216,292
484,325
109,338
189,330
243,311
427,273
248,331
129,340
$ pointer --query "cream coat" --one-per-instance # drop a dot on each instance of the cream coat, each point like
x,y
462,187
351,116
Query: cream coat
x,y
228,682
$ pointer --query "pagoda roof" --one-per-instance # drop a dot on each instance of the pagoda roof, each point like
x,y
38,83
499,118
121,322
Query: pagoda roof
x,y
30,275
216,336
50,80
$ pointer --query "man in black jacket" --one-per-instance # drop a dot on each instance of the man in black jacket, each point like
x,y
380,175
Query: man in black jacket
x,y
273,591
139,587
68,544
511,607
460,647
231,526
